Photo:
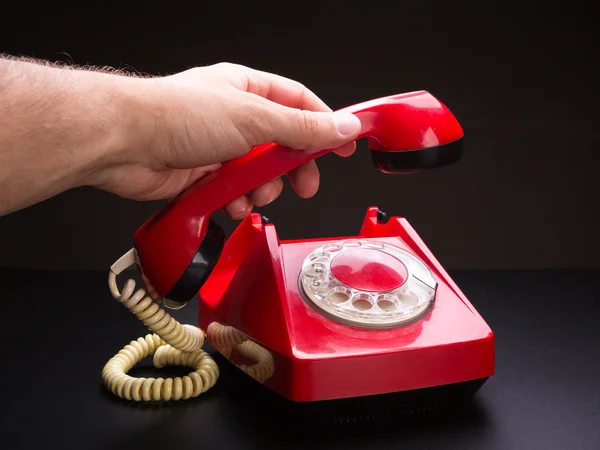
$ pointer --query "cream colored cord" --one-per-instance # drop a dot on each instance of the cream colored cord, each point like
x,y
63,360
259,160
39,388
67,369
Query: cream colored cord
x,y
172,343
225,339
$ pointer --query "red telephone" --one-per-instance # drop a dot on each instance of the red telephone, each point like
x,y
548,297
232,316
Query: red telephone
x,y
312,320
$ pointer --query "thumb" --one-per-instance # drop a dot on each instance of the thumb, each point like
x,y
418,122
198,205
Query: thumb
x,y
309,130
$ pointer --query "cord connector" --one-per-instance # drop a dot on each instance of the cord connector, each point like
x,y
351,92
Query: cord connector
x,y
124,262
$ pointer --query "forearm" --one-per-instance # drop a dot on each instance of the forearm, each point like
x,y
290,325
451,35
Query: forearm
x,y
58,126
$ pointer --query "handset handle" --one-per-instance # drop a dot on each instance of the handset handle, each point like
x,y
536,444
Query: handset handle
x,y
242,175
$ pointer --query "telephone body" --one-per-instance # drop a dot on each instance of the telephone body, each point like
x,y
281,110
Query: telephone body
x,y
312,320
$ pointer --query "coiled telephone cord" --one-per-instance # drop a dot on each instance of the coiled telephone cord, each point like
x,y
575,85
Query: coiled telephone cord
x,y
172,343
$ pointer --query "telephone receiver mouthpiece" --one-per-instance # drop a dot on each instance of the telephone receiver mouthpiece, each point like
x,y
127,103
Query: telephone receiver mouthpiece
x,y
178,247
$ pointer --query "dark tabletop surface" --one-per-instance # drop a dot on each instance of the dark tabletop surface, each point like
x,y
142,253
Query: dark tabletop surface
x,y
60,328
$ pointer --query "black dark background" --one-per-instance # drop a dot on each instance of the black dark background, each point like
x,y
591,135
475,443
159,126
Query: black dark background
x,y
522,79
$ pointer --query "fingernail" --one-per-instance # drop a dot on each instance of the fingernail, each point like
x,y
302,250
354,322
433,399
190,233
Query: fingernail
x,y
272,197
346,123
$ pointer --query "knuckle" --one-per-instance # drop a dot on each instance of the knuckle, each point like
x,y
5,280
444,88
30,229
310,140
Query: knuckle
x,y
298,86
253,121
228,67
309,122
223,65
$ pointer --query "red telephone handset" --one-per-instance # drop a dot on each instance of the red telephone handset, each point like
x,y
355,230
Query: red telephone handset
x,y
177,248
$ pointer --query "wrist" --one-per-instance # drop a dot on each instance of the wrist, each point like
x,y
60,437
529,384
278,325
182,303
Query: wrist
x,y
131,116
118,123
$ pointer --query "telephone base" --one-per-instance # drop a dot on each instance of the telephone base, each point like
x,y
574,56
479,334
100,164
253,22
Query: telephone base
x,y
308,349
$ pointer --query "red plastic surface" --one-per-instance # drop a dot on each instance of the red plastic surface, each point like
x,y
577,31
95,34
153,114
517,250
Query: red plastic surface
x,y
254,288
166,243
369,270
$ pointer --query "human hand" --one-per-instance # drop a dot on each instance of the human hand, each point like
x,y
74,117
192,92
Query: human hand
x,y
192,122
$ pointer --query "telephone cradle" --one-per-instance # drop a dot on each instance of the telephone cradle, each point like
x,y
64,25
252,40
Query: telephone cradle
x,y
317,322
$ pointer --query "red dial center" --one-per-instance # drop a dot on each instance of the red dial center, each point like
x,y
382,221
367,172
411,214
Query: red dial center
x,y
369,270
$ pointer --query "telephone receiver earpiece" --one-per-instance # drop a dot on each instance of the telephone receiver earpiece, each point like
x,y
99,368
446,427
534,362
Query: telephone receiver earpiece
x,y
178,247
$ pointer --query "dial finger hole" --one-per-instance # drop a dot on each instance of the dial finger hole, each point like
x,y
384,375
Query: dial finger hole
x,y
387,303
409,299
362,302
320,284
315,270
330,248
339,295
319,257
